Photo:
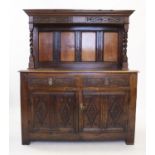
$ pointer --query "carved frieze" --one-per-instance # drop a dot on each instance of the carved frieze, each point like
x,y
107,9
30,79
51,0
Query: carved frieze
x,y
77,19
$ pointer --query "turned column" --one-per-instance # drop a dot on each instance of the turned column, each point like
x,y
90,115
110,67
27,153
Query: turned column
x,y
31,57
124,48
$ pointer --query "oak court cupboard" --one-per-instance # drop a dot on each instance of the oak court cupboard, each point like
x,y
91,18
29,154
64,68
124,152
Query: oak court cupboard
x,y
78,86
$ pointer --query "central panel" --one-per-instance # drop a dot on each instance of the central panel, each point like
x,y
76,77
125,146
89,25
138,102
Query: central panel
x,y
88,46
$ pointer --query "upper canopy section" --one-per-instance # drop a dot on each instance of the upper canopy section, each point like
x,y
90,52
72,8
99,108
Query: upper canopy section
x,y
79,16
78,38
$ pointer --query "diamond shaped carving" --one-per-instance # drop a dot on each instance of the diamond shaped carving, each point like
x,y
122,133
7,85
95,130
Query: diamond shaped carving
x,y
41,111
65,111
91,112
116,111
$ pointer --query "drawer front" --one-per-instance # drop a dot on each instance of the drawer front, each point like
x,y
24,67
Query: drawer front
x,y
51,81
106,81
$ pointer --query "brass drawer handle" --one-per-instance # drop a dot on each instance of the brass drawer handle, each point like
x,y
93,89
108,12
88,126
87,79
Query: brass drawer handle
x,y
82,107
50,81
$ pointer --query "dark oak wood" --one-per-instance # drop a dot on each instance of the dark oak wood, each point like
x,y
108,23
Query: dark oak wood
x,y
85,105
67,46
110,46
45,46
83,36
78,86
88,46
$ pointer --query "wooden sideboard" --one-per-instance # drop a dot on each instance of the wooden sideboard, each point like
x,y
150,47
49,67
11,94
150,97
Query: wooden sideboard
x,y
78,86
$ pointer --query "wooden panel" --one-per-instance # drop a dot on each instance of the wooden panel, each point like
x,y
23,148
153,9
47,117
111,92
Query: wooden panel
x,y
110,46
88,46
117,104
67,46
64,114
91,116
40,119
45,46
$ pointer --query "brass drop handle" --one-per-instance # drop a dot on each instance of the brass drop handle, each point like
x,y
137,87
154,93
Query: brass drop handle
x,y
50,81
82,107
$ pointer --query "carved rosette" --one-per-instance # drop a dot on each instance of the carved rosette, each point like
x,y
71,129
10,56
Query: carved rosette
x,y
31,58
124,52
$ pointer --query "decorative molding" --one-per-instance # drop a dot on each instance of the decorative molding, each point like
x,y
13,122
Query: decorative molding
x,y
78,19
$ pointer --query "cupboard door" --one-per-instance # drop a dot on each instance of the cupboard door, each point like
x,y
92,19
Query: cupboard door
x,y
52,112
103,111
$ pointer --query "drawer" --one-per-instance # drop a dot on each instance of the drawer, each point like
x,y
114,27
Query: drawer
x,y
51,81
106,81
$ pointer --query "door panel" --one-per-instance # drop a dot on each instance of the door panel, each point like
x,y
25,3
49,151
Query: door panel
x,y
64,107
53,111
117,111
104,111
91,114
40,112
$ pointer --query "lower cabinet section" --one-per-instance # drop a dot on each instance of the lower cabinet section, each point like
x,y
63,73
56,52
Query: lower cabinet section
x,y
85,114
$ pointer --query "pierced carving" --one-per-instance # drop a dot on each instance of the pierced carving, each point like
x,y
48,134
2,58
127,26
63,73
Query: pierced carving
x,y
31,58
103,19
